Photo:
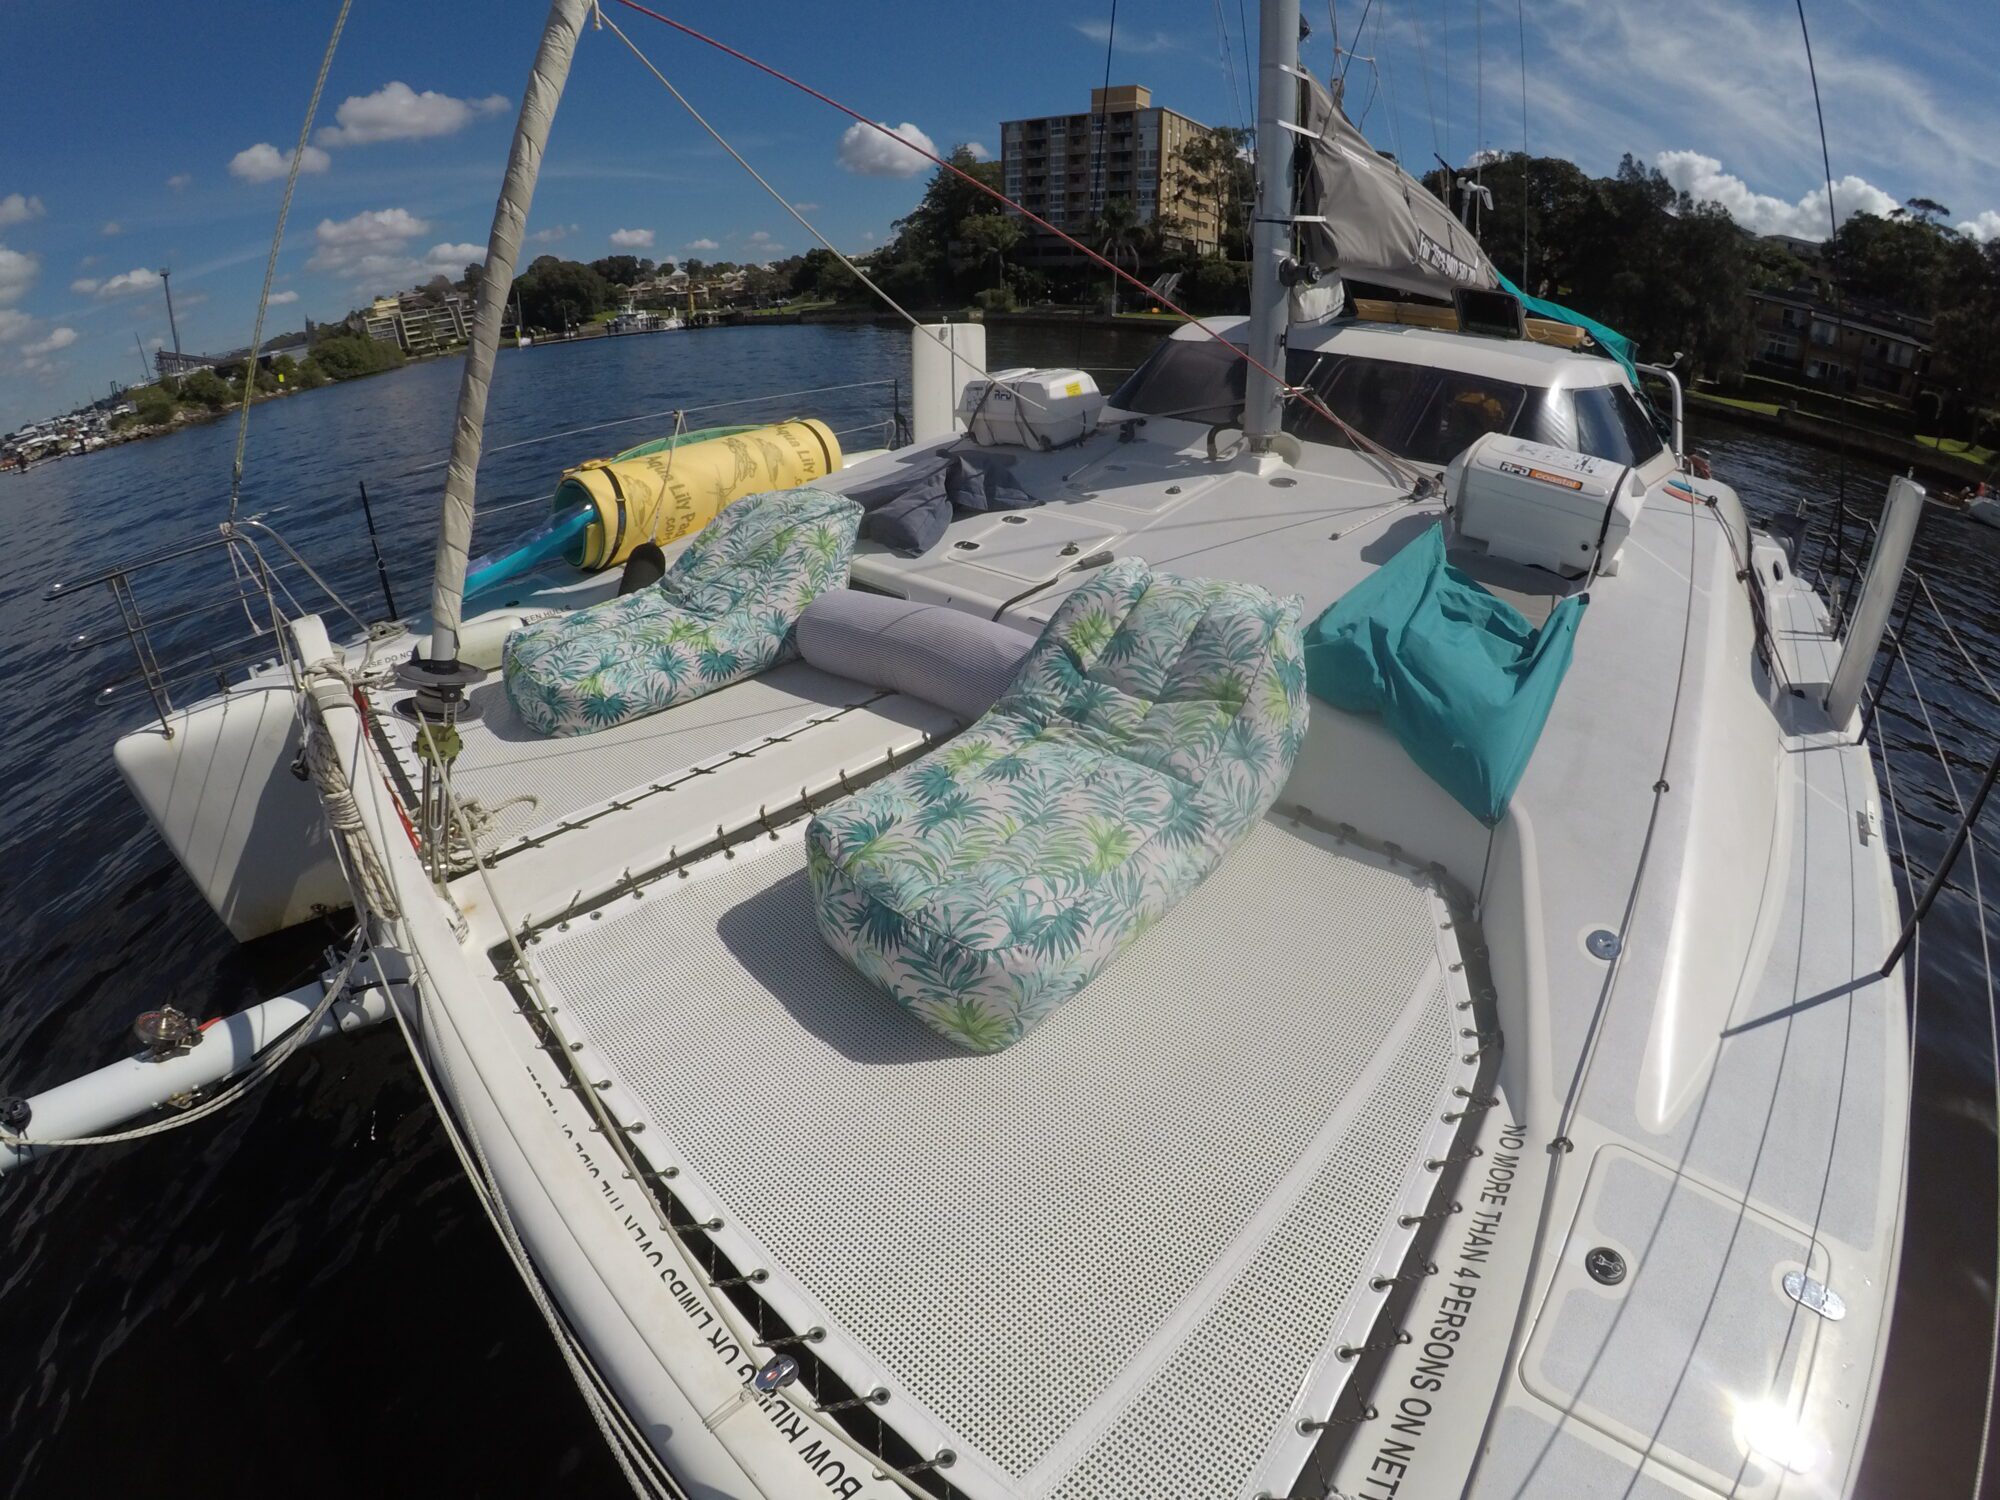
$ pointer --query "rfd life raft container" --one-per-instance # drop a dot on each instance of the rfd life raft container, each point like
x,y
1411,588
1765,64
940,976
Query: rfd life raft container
x,y
662,491
1549,507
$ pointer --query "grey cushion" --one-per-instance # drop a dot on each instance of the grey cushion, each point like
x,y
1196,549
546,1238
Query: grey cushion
x,y
944,656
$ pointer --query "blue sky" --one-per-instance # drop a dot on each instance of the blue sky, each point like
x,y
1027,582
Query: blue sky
x,y
136,136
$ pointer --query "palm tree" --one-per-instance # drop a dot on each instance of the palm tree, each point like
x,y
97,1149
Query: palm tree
x,y
1117,237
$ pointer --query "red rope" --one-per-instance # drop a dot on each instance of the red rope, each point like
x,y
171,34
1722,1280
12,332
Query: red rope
x,y
994,193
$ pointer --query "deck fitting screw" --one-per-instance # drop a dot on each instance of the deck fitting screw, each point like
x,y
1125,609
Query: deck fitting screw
x,y
1605,1265
1604,944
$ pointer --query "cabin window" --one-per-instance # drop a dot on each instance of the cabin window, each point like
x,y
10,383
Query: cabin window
x,y
1604,421
1461,410
1196,380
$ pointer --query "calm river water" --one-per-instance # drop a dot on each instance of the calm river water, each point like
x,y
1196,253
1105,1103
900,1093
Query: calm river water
x,y
301,1297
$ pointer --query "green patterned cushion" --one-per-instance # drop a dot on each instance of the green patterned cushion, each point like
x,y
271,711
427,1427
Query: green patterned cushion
x,y
1149,729
724,611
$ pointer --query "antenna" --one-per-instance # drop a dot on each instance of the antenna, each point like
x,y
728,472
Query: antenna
x,y
145,372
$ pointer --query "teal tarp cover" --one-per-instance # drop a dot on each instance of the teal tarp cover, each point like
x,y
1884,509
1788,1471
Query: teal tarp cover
x,y
1458,675
1610,340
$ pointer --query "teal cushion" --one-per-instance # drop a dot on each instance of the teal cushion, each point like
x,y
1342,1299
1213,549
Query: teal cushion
x,y
1148,730
1458,675
724,611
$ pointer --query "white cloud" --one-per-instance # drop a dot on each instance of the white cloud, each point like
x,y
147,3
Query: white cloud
x,y
283,299
1985,227
18,270
179,181
451,260
554,234
1128,39
15,209
867,151
59,338
14,325
1702,178
373,247
979,151
85,285
111,227
761,237
125,283
397,112
703,245
632,239
806,208
264,162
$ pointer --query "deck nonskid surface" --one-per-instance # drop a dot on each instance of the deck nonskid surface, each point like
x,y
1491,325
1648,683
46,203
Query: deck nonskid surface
x,y
1160,1203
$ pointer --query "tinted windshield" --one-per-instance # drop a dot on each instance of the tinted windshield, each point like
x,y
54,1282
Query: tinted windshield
x,y
1604,421
1413,410
1198,380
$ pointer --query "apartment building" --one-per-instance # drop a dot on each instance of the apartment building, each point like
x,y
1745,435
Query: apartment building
x,y
1857,347
1065,168
415,323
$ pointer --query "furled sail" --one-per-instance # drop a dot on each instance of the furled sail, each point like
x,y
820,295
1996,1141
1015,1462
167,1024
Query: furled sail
x,y
503,246
1380,224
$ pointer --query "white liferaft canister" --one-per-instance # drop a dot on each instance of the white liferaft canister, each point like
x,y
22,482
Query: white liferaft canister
x,y
1030,408
1547,507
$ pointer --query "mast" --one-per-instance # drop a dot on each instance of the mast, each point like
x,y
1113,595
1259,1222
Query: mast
x,y
503,245
1271,228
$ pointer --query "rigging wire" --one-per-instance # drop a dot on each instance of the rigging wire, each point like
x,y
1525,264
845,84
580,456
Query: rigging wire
x,y
1249,71
1430,107
1395,464
1100,129
271,264
786,203
1229,63
1478,112
1521,22
1840,320
1351,46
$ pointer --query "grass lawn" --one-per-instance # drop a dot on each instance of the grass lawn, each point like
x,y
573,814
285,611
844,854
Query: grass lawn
x,y
1964,450
1768,408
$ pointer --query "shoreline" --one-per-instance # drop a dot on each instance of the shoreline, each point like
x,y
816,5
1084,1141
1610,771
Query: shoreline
x,y
1824,432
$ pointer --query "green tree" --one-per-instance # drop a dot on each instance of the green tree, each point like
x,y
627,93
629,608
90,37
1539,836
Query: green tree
x,y
622,270
312,374
1217,173
562,293
206,388
344,356
992,236
1116,230
1965,338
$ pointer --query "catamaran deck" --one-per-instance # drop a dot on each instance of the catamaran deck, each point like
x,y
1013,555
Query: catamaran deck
x,y
1069,1297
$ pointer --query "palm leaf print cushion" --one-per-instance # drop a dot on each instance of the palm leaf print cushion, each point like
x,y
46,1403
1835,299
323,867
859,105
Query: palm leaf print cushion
x,y
1148,730
724,611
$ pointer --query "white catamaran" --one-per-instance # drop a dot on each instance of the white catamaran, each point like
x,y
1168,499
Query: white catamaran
x,y
1317,925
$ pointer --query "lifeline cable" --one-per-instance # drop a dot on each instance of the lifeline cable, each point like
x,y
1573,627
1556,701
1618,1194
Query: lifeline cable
x,y
1363,443
1840,320
271,265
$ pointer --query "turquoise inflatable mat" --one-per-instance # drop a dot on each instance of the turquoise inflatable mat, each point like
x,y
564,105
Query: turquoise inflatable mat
x,y
1457,674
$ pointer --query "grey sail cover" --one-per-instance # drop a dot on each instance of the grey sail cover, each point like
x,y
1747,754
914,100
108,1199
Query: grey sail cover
x,y
1382,226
